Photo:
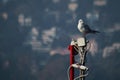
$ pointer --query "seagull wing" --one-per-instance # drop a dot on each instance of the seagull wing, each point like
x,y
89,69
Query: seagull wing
x,y
87,28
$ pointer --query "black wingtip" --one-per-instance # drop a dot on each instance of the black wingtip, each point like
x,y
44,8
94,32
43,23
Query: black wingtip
x,y
95,31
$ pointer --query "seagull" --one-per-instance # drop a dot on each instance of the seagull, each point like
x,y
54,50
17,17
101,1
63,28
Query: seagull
x,y
84,28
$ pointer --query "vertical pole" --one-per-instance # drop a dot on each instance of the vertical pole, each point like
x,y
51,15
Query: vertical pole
x,y
82,61
71,48
82,52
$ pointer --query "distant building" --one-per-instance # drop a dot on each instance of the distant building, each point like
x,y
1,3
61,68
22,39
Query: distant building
x,y
24,21
100,2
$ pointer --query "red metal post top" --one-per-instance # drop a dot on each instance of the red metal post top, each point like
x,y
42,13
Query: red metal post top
x,y
71,49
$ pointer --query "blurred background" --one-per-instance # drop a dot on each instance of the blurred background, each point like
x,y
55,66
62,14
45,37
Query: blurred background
x,y
35,35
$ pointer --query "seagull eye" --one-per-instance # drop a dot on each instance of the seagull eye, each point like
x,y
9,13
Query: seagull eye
x,y
80,20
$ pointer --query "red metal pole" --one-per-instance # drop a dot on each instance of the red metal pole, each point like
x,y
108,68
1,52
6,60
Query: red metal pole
x,y
71,48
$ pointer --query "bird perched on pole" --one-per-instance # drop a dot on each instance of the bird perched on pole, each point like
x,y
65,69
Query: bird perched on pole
x,y
84,28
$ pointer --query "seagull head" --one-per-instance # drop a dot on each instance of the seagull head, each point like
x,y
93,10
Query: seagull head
x,y
80,21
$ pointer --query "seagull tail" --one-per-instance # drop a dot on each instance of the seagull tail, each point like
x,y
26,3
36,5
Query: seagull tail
x,y
94,31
